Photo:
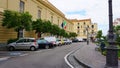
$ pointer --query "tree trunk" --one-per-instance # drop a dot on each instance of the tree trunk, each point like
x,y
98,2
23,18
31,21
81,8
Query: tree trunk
x,y
39,34
20,33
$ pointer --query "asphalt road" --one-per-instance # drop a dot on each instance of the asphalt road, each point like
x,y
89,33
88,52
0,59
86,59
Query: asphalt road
x,y
46,58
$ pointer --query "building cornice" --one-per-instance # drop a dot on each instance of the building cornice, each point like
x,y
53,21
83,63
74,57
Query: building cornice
x,y
75,20
50,6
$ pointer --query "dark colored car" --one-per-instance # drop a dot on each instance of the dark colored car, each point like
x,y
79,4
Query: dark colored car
x,y
75,40
44,44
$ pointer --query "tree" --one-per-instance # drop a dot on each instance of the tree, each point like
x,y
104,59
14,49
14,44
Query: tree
x,y
117,28
117,31
99,34
38,27
72,34
55,30
47,26
41,26
18,21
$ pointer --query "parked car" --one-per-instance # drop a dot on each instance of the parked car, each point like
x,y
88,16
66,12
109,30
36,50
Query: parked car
x,y
44,44
75,40
63,42
59,42
23,43
80,39
67,41
51,39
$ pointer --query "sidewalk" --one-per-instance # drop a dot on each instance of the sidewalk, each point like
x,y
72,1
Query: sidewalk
x,y
89,57
3,47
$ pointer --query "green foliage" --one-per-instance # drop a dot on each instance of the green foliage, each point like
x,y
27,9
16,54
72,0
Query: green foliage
x,y
43,26
37,25
72,34
16,20
26,21
99,34
20,21
117,31
11,19
117,28
55,30
47,26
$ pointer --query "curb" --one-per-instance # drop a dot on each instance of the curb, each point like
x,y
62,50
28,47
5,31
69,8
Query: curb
x,y
3,47
82,63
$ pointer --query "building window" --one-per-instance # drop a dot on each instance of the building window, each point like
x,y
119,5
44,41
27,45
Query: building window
x,y
39,14
88,26
52,19
78,32
58,22
84,23
92,26
84,32
78,23
92,31
22,6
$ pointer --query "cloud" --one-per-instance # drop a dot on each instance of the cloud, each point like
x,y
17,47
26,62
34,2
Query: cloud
x,y
97,10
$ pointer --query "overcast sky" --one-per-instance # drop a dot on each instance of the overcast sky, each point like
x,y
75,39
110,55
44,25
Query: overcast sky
x,y
96,10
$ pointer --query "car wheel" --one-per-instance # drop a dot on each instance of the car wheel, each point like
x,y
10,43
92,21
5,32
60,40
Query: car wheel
x,y
11,48
32,48
47,47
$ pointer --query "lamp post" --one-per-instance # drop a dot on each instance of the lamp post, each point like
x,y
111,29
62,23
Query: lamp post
x,y
112,55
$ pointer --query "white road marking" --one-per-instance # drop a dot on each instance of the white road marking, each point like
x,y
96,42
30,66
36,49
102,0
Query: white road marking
x,y
4,58
67,60
24,55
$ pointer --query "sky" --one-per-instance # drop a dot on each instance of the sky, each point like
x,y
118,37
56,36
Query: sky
x,y
96,10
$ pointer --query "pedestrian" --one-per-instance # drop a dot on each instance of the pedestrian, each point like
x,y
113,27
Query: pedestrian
x,y
102,47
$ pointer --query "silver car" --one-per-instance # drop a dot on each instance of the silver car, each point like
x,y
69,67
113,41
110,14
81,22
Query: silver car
x,y
24,43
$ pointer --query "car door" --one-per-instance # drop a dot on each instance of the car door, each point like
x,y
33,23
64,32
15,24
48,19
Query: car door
x,y
27,43
41,43
20,44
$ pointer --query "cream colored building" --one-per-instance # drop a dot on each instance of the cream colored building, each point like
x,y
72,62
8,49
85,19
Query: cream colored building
x,y
82,26
38,9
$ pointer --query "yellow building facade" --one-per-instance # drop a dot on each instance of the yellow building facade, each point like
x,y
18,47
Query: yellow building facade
x,y
84,28
38,9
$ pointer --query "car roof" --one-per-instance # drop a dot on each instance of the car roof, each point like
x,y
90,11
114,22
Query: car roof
x,y
27,38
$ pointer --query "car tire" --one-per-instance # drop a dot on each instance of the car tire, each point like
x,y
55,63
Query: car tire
x,y
47,47
32,48
11,48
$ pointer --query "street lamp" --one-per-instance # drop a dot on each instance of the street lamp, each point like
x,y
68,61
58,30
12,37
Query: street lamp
x,y
112,55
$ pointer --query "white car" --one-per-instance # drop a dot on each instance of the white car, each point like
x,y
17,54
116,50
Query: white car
x,y
51,39
24,43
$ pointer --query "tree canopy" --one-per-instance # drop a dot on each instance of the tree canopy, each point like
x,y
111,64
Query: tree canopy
x,y
16,20
20,21
99,34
